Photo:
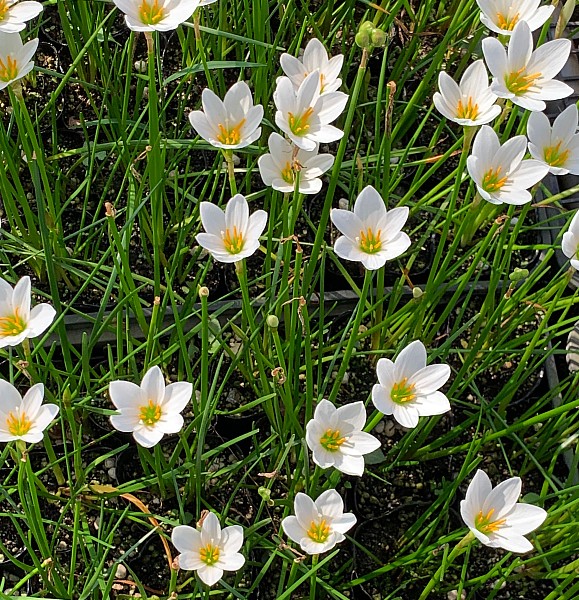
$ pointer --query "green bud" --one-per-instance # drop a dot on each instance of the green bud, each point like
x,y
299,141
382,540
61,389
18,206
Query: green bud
x,y
378,38
417,292
203,292
519,274
265,494
367,27
362,39
272,321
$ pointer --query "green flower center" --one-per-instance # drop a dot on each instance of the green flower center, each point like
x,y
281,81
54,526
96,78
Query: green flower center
x,y
12,324
554,156
332,440
231,136
519,81
506,22
18,424
492,180
287,174
370,241
209,554
319,532
402,392
151,13
300,124
485,523
8,69
150,413
468,111
233,240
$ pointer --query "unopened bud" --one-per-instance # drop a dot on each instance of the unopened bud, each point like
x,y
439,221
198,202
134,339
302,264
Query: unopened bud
x,y
362,39
272,321
519,274
417,292
203,291
378,38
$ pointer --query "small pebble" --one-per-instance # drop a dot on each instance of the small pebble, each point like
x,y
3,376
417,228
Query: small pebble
x,y
343,203
121,572
380,427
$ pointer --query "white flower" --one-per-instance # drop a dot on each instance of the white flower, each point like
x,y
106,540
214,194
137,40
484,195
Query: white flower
x,y
24,418
336,439
17,321
206,2
495,517
150,410
209,551
557,147
501,16
372,235
278,169
156,15
231,123
318,526
15,14
305,116
500,173
231,235
523,76
469,103
15,58
315,58
407,387
570,245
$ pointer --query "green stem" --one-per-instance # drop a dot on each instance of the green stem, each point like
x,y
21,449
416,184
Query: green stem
x,y
228,154
456,551
313,579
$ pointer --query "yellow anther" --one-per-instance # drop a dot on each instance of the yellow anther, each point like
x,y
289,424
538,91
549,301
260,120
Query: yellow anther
x,y
332,440
12,324
319,532
150,12
492,180
519,82
470,111
507,23
233,240
287,174
300,124
150,413
402,392
554,156
3,8
209,554
231,136
370,241
485,523
18,424
8,69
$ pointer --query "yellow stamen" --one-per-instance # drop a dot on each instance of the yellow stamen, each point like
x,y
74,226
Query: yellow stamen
x,y
151,13
519,82
319,532
322,83
332,440
554,156
287,174
150,413
370,241
507,23
8,69
12,324
231,136
18,424
300,124
233,240
3,8
485,523
470,111
209,554
402,392
492,180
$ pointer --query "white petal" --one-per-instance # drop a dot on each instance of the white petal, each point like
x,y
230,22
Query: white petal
x,y
126,395
293,529
435,403
407,415
503,498
41,317
210,530
330,504
232,538
153,385
209,575
525,518
186,538
410,360
177,396
430,378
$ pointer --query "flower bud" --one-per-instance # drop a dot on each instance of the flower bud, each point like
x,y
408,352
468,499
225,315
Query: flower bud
x,y
362,39
519,274
203,292
272,321
417,292
378,38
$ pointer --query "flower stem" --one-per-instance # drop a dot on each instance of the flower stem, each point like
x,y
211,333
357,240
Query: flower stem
x,y
228,154
456,551
313,578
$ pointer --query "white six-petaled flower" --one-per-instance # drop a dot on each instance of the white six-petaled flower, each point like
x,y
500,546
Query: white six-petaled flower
x,y
408,387
24,418
209,551
336,439
15,14
570,245
469,103
501,16
280,167
150,410
233,234
17,321
315,58
156,15
499,172
494,515
305,116
557,146
318,526
15,58
371,234
230,123
523,76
